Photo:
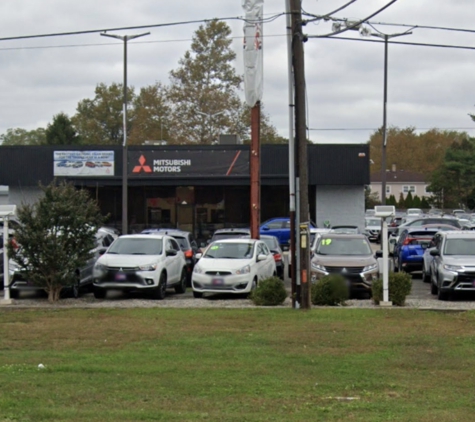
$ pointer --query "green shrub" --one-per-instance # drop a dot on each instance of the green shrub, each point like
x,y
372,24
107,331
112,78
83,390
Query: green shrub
x,y
330,290
269,292
399,285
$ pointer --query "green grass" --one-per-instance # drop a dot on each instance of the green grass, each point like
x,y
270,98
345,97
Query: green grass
x,y
236,365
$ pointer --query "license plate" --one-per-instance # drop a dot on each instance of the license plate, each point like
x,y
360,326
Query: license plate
x,y
120,277
217,281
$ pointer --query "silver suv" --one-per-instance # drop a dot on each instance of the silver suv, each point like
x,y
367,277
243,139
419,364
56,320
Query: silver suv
x,y
453,265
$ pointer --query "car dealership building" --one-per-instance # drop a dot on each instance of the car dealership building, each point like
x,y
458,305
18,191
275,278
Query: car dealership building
x,y
193,188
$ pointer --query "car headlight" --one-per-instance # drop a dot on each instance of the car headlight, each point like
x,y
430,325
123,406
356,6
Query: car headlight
x,y
148,267
370,267
454,268
100,267
318,267
244,270
198,270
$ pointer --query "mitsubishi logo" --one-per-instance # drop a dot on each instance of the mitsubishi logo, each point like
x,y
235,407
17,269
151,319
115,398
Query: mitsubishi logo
x,y
344,270
138,169
217,273
121,270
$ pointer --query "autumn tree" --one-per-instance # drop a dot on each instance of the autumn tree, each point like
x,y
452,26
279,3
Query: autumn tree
x,y
151,118
20,136
203,90
268,133
99,121
61,131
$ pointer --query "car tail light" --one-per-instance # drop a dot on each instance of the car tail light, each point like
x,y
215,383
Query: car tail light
x,y
189,253
277,257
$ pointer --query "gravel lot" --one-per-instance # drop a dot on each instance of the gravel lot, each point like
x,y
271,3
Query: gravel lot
x,y
420,298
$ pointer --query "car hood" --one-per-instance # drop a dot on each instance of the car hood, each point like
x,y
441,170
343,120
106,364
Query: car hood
x,y
373,228
218,264
344,261
466,260
113,260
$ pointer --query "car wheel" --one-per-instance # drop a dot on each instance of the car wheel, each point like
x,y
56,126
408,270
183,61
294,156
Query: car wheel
x,y
425,276
442,295
14,293
76,290
99,293
253,287
433,288
161,290
197,295
181,288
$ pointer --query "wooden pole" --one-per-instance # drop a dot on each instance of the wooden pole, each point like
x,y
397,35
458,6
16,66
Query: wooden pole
x,y
255,170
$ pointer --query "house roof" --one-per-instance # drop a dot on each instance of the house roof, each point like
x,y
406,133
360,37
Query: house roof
x,y
399,176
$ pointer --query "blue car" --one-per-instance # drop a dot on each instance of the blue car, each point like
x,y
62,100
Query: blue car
x,y
278,227
408,252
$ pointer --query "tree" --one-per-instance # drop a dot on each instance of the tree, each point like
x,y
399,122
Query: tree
x,y
401,204
391,200
409,201
99,121
203,90
61,131
370,198
151,119
416,202
268,133
56,236
424,203
20,136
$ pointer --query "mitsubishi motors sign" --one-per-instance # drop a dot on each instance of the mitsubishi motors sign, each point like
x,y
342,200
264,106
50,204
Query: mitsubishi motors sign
x,y
180,163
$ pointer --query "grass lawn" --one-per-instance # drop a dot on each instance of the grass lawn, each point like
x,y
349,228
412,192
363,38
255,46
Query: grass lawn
x,y
236,365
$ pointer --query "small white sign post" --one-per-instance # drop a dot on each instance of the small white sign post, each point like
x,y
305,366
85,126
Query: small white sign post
x,y
385,211
6,211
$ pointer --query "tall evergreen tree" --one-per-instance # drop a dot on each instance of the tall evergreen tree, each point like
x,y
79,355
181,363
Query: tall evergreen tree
x,y
61,131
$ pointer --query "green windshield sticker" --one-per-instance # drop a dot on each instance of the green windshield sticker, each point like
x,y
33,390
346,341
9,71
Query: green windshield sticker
x,y
214,247
326,242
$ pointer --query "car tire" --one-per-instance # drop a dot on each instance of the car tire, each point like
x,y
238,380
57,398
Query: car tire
x,y
181,288
425,276
161,290
441,295
14,293
197,295
253,287
99,293
76,289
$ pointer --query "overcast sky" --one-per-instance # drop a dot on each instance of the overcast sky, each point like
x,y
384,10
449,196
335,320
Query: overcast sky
x,y
428,87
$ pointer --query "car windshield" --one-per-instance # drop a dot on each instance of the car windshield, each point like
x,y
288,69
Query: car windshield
x,y
184,246
414,211
459,247
228,235
373,222
346,246
229,250
271,243
138,246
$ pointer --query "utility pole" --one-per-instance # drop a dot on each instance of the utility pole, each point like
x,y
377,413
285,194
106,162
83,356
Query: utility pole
x,y
298,63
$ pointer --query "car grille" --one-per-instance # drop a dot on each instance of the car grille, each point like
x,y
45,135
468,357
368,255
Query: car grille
x,y
466,277
219,273
123,269
348,270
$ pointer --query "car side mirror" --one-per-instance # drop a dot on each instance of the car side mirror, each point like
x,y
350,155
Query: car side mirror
x,y
101,251
261,257
171,252
198,255
378,254
265,228
435,252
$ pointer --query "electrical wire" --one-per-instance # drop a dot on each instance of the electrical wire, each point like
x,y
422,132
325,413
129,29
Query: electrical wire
x,y
376,128
356,24
417,44
328,15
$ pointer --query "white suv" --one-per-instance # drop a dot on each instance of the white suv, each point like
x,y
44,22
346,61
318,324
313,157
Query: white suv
x,y
144,262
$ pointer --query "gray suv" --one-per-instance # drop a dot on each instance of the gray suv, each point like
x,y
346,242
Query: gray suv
x,y
453,263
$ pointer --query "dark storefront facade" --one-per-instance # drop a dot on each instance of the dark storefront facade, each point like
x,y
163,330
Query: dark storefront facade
x,y
198,189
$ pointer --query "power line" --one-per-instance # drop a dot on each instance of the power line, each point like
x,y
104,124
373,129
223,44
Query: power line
x,y
377,128
418,44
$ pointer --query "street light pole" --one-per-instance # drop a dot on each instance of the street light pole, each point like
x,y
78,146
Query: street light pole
x,y
385,37
125,38
210,116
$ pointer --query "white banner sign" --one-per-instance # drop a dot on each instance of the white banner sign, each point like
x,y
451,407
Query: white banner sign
x,y
83,163
253,54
